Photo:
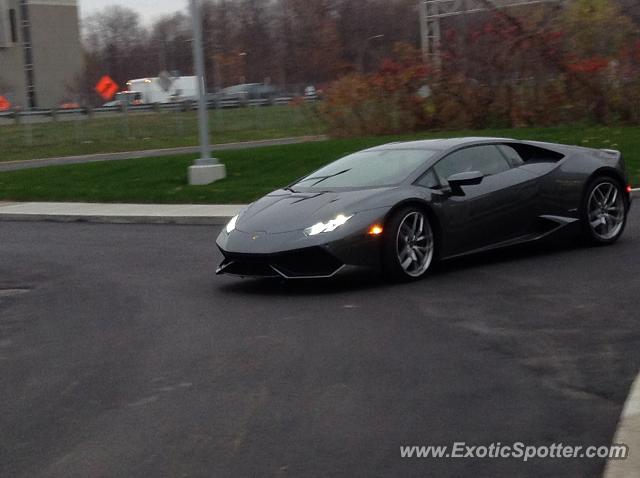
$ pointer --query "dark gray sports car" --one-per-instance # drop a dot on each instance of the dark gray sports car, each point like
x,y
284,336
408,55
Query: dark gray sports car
x,y
401,206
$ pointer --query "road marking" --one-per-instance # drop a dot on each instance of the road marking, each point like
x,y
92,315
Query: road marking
x,y
628,433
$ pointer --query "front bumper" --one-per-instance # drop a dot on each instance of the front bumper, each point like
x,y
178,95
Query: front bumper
x,y
293,255
309,263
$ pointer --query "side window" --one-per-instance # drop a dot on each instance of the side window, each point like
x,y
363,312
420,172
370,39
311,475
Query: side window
x,y
428,180
486,159
511,154
535,154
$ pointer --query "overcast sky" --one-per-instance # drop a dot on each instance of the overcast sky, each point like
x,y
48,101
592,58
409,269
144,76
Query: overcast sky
x,y
149,10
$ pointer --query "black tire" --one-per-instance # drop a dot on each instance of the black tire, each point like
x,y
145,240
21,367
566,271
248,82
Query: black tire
x,y
393,241
595,236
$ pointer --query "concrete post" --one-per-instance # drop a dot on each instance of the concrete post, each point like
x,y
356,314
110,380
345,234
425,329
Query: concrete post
x,y
205,169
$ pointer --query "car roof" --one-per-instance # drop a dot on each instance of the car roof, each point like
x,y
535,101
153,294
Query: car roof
x,y
439,144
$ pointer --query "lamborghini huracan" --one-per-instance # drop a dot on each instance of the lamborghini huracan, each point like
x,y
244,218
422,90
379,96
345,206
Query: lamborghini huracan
x,y
400,207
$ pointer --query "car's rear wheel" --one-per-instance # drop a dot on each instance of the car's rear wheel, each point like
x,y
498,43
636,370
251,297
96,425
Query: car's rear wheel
x,y
604,211
409,246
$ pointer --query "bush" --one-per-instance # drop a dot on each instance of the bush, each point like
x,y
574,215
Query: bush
x,y
541,69
382,103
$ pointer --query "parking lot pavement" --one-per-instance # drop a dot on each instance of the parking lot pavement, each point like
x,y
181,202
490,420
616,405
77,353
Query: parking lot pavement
x,y
122,354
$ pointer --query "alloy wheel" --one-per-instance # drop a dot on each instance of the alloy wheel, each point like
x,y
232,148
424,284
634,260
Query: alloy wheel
x,y
414,244
606,211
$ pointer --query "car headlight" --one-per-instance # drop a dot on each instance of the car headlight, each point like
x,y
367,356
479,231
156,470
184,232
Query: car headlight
x,y
328,226
231,225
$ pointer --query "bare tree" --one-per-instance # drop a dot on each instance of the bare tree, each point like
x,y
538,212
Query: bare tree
x,y
369,29
311,42
170,44
287,41
255,39
118,42
220,28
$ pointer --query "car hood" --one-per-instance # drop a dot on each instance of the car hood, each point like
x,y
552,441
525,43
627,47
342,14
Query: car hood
x,y
286,211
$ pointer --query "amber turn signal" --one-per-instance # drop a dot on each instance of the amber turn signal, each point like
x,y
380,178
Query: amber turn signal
x,y
375,230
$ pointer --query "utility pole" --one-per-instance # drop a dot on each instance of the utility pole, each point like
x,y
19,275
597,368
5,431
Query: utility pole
x,y
432,11
206,169
430,30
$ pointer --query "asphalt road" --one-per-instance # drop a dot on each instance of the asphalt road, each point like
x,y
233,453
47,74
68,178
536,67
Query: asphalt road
x,y
121,354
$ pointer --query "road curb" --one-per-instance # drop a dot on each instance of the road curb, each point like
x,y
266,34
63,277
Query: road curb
x,y
196,214
628,433
98,219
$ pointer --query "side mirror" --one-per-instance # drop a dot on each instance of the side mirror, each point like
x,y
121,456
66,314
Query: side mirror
x,y
470,178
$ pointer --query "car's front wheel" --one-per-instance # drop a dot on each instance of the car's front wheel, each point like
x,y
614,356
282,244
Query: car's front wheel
x,y
604,211
409,245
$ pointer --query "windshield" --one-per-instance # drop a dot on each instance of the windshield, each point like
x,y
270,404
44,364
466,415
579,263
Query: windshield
x,y
387,167
128,95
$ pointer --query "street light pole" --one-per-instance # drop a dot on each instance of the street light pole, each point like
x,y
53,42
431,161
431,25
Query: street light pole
x,y
206,169
363,50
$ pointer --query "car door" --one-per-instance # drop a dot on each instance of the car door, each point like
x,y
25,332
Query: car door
x,y
496,210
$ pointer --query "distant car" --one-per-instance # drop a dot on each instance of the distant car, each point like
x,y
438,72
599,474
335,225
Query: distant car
x,y
130,98
402,206
246,92
310,93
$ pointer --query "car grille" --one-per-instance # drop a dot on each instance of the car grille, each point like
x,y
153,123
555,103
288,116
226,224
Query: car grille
x,y
249,269
310,262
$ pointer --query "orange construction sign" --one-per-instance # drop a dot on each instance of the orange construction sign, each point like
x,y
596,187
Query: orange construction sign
x,y
106,87
4,104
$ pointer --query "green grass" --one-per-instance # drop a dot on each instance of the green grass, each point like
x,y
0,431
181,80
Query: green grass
x,y
152,131
252,173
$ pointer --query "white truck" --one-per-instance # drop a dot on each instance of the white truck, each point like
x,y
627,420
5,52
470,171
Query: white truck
x,y
160,90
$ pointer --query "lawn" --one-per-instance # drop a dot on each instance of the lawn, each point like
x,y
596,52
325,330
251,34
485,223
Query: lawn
x,y
254,172
138,131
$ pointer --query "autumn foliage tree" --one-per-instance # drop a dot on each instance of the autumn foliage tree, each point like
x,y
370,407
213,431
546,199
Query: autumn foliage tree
x,y
383,102
535,66
598,36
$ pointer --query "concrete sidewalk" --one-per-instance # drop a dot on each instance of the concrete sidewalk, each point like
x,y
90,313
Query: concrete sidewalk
x,y
152,153
628,433
126,213
119,213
